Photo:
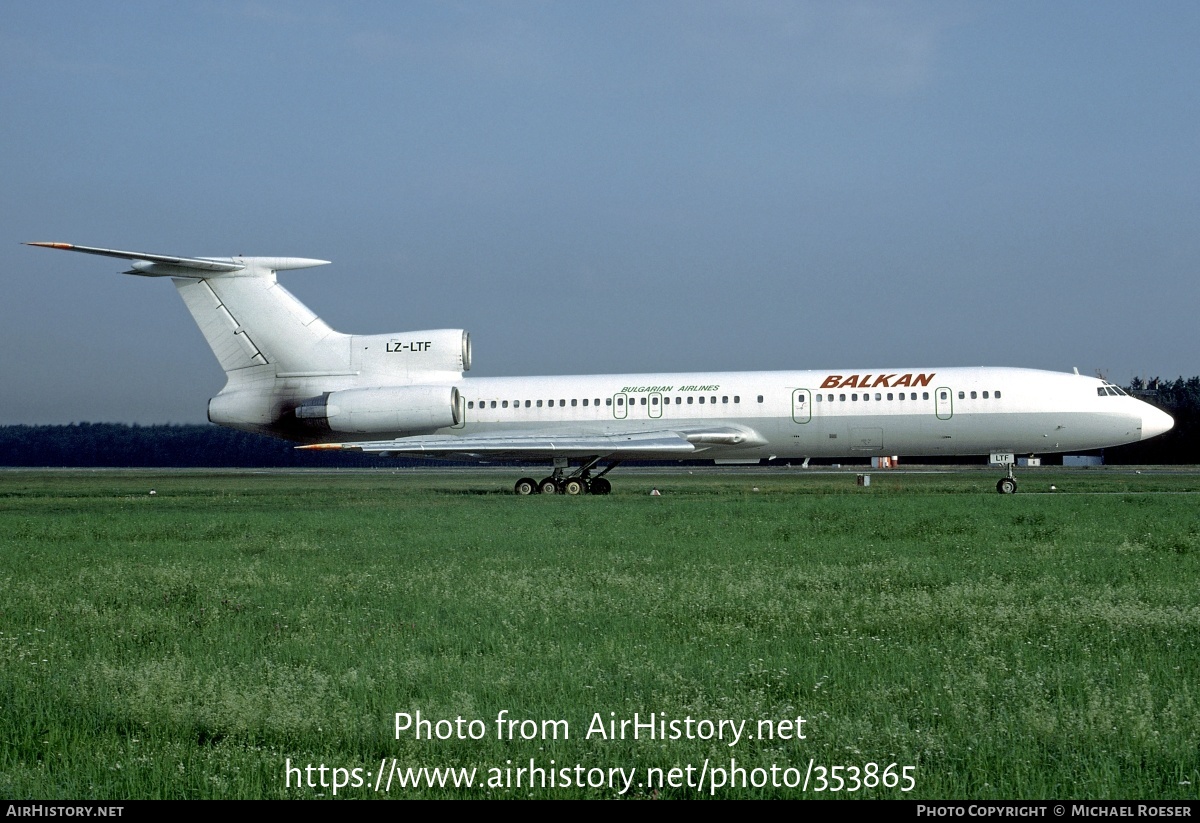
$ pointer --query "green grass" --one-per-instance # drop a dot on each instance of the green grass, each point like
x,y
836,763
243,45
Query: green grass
x,y
191,644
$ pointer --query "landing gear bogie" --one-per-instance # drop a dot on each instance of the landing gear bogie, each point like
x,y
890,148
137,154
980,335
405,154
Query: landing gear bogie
x,y
582,481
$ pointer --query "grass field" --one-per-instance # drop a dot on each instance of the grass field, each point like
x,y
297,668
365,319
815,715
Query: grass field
x,y
199,642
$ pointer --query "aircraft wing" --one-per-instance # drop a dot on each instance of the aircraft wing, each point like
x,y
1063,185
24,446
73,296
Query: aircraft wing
x,y
681,443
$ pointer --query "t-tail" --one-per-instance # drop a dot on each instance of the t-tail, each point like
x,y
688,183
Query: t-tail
x,y
288,373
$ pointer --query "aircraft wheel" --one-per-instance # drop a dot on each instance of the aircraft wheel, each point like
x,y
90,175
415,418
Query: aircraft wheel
x,y
1006,485
525,486
548,486
574,486
601,486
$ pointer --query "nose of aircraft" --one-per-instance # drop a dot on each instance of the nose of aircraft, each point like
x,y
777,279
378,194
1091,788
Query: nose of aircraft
x,y
1155,422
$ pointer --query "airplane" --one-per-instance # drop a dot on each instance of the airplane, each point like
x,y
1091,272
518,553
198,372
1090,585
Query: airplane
x,y
290,375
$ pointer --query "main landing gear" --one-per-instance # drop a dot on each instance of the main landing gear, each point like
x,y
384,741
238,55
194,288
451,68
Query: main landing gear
x,y
582,481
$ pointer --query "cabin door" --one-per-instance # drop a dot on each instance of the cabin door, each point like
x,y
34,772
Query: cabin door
x,y
801,405
656,404
619,407
943,403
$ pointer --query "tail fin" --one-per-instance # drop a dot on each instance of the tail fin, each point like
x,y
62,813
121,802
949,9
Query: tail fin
x,y
247,318
278,355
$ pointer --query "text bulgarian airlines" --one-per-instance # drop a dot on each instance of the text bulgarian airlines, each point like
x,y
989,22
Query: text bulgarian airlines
x,y
640,389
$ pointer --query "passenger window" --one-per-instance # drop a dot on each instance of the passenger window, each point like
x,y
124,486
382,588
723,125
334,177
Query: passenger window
x,y
974,396
997,395
842,397
889,395
725,399
962,395
539,404
819,396
866,396
760,398
608,401
701,400
878,396
854,397
493,404
585,401
924,395
690,399
985,395
470,404
737,399
643,401
562,402
574,402
504,404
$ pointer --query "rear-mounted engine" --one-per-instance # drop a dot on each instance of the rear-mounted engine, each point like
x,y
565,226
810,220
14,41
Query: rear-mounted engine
x,y
385,410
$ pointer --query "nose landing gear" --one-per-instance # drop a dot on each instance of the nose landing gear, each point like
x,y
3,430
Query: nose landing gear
x,y
1005,485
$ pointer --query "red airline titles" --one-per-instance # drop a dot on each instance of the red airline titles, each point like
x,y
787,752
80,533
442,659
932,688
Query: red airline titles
x,y
854,381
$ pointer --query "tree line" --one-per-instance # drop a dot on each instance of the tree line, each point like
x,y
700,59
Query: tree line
x,y
112,445
1179,398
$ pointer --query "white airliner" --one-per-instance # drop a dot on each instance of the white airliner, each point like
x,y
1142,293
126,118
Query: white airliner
x,y
290,375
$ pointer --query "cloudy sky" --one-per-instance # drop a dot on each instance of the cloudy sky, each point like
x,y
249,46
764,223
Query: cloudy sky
x,y
604,186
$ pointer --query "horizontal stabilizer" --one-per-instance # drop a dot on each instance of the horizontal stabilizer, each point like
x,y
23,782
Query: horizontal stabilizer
x,y
165,265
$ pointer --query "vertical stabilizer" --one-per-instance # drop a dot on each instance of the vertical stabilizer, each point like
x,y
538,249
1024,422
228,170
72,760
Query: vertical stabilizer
x,y
250,320
247,318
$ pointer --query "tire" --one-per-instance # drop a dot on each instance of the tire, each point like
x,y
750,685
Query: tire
x,y
526,486
574,486
601,486
548,486
1006,485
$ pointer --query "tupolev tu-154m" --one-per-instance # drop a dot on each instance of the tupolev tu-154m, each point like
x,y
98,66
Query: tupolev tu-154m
x,y
290,375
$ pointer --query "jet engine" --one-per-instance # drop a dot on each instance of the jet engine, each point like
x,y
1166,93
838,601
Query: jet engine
x,y
384,410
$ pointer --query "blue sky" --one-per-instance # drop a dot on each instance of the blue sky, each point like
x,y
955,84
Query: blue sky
x,y
605,186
